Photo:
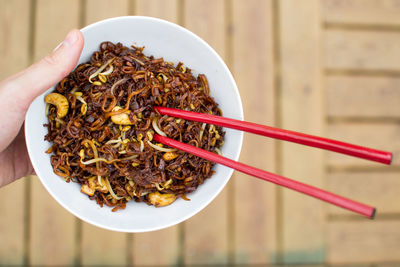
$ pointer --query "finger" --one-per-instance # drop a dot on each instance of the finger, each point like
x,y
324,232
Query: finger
x,y
18,91
28,84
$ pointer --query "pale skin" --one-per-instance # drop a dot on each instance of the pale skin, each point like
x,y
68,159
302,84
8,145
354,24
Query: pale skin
x,y
16,94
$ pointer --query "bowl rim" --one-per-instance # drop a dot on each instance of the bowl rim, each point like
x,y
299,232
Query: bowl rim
x,y
189,214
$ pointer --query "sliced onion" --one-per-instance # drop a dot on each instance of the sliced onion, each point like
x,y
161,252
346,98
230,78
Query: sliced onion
x,y
137,60
96,155
159,187
81,100
155,127
142,145
100,70
160,148
91,161
111,190
60,121
116,84
117,145
108,72
203,126
113,141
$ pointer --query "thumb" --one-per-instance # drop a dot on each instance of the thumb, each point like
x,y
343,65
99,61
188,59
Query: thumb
x,y
42,75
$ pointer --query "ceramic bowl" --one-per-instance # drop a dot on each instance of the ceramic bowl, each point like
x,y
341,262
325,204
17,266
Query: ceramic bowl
x,y
173,43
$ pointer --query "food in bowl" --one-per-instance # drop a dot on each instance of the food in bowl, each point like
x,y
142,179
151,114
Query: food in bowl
x,y
102,122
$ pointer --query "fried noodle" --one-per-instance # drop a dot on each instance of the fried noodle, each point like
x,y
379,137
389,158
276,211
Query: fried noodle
x,y
119,162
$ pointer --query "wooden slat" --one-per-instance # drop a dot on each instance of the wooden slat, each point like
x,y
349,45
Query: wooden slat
x,y
383,136
301,110
363,241
52,228
254,225
163,9
381,190
99,246
12,204
364,50
103,247
160,247
14,44
363,96
370,12
14,36
102,9
208,244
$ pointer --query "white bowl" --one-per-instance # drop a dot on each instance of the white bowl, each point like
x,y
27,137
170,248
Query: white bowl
x,y
173,43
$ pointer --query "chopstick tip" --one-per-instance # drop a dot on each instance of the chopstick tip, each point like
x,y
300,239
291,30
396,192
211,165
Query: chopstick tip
x,y
373,214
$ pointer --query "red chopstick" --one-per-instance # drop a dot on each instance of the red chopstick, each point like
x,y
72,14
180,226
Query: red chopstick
x,y
291,136
337,200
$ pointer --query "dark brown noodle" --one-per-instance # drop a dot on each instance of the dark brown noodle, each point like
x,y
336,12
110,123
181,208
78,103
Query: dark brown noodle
x,y
90,149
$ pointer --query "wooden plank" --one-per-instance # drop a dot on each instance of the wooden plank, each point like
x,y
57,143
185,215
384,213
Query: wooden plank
x,y
301,110
384,264
254,210
363,241
381,190
361,12
209,243
14,44
14,36
102,9
383,136
12,204
362,96
103,247
99,246
162,9
159,248
52,240
165,244
363,50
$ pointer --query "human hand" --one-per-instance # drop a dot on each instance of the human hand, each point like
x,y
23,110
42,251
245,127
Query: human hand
x,y
16,94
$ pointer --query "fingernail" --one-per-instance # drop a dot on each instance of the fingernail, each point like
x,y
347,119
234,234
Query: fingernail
x,y
71,38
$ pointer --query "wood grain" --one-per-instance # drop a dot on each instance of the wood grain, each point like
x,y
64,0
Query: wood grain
x,y
12,204
52,228
207,244
363,241
361,50
161,247
361,12
384,136
254,201
14,45
362,96
378,189
163,9
100,246
103,247
14,36
301,110
102,9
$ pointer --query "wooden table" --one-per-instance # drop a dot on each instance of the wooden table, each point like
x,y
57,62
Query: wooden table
x,y
329,67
